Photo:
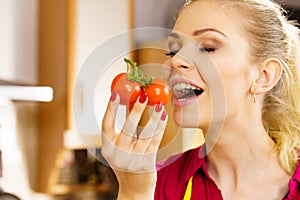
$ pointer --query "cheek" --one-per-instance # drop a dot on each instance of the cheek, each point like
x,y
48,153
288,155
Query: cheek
x,y
166,70
236,84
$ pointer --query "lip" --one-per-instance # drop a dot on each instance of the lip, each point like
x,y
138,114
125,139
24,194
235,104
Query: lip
x,y
181,103
185,102
182,80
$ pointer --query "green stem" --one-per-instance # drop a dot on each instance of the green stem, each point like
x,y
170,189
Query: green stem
x,y
130,62
136,75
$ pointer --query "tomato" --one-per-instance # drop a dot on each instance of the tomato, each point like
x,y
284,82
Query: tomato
x,y
130,86
129,91
158,92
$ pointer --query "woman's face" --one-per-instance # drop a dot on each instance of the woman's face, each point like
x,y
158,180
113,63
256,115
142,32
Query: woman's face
x,y
220,64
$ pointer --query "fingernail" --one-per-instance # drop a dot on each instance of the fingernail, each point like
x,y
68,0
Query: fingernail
x,y
113,96
130,106
158,107
143,97
163,116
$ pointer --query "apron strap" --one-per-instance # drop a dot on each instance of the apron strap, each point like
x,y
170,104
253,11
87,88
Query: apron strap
x,y
188,192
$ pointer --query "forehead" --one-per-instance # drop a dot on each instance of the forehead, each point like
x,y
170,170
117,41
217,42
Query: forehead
x,y
209,14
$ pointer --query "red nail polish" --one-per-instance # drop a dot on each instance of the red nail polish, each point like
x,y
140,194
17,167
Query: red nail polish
x,y
130,106
113,96
143,97
158,107
163,116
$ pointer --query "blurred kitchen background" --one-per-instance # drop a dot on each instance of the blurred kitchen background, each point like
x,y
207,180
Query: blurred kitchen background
x,y
44,43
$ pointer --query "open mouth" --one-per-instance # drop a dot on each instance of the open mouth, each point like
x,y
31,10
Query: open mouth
x,y
185,91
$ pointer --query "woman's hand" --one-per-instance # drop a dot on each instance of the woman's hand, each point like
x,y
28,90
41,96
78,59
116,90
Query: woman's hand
x,y
132,153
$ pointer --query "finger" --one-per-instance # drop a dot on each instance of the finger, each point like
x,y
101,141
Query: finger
x,y
155,116
129,131
108,122
156,140
155,126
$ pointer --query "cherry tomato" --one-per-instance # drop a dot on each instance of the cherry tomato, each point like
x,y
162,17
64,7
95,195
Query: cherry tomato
x,y
158,92
130,86
129,91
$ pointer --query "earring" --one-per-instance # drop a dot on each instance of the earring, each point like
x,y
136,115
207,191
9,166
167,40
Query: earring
x,y
254,97
252,90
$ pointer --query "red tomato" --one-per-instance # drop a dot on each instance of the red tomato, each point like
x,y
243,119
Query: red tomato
x,y
130,86
158,91
129,91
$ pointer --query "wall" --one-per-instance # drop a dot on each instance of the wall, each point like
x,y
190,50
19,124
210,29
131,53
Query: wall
x,y
96,22
155,13
18,39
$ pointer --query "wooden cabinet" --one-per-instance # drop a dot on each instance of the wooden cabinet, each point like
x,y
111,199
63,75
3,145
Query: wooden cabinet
x,y
68,31
53,71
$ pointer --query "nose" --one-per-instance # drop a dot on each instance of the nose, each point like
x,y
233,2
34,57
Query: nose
x,y
176,64
179,63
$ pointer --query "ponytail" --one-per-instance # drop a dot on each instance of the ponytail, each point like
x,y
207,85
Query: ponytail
x,y
281,112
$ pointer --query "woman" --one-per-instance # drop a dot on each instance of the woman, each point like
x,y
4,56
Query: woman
x,y
255,51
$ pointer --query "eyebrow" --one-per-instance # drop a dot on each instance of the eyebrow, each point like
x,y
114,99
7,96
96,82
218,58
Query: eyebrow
x,y
198,32
201,31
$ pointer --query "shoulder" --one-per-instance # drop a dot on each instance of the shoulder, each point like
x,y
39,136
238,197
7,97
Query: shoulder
x,y
176,171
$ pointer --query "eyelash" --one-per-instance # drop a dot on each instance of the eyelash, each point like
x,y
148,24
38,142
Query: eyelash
x,y
171,53
207,50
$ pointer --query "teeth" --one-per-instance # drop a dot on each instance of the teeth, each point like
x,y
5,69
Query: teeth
x,y
183,87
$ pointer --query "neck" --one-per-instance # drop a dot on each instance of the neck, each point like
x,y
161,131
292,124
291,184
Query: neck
x,y
241,152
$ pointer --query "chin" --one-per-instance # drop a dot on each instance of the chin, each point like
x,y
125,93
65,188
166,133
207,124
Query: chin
x,y
188,119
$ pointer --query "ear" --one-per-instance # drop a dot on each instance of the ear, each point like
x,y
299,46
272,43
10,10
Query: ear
x,y
268,76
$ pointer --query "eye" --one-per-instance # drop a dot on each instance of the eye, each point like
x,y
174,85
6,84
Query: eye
x,y
171,53
207,50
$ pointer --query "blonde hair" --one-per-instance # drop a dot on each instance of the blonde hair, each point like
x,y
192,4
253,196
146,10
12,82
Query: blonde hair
x,y
271,35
